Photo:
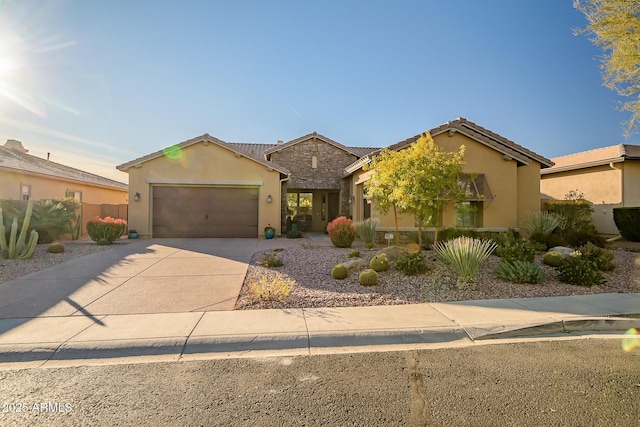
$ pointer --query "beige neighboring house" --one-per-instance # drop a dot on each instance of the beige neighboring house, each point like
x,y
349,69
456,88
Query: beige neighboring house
x,y
27,177
505,191
609,177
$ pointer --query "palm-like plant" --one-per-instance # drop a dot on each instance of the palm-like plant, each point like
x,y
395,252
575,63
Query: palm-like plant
x,y
465,254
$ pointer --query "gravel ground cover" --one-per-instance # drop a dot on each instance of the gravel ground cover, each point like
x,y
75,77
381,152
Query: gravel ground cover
x,y
310,268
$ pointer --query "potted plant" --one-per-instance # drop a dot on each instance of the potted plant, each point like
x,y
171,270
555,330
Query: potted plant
x,y
133,233
269,232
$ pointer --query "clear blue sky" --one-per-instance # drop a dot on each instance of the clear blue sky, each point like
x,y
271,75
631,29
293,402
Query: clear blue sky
x,y
115,80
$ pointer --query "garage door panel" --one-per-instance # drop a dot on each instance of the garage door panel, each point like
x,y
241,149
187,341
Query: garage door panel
x,y
205,212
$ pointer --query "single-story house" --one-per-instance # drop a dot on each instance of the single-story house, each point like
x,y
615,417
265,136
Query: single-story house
x,y
27,177
609,177
206,187
505,191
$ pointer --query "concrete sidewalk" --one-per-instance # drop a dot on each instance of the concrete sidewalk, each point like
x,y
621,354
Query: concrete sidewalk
x,y
78,340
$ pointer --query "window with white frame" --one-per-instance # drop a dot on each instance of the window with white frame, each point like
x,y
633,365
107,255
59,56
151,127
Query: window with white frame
x,y
77,195
26,191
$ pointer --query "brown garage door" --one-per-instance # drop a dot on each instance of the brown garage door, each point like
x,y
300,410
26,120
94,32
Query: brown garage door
x,y
205,212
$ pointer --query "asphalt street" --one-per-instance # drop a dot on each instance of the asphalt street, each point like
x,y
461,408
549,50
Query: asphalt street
x,y
586,382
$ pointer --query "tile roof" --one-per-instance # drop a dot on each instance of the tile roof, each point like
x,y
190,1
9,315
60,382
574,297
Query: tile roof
x,y
206,138
287,144
595,157
484,136
17,158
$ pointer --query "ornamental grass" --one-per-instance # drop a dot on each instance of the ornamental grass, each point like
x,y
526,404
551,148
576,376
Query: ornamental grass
x,y
465,254
367,231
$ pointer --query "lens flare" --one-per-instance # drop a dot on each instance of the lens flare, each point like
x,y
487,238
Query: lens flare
x,y
631,340
173,153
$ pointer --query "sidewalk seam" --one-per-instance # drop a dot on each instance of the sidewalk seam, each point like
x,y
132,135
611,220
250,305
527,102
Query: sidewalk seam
x,y
306,326
186,341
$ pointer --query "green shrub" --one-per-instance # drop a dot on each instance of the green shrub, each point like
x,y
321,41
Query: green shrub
x,y
465,255
412,263
55,248
341,232
368,277
511,249
601,257
294,234
379,263
105,231
367,231
628,222
269,285
520,272
554,259
547,240
576,270
339,271
427,238
271,260
278,250
354,254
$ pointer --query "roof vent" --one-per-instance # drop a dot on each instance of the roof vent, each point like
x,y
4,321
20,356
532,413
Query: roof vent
x,y
16,145
280,142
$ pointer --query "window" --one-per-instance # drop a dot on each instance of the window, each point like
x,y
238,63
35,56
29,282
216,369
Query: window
x,y
314,162
77,195
469,214
299,210
26,192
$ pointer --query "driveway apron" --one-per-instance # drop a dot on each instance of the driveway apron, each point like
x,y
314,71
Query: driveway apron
x,y
145,276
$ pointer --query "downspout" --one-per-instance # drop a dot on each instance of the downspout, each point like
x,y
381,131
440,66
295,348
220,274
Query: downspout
x,y
621,180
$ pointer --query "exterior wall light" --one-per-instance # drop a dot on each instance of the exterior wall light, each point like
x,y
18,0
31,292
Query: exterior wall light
x,y
136,197
269,199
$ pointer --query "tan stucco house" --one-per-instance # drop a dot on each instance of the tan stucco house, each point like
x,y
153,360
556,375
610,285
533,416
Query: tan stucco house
x,y
506,188
206,187
27,177
609,177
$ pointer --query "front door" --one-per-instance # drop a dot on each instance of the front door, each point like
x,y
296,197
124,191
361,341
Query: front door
x,y
334,206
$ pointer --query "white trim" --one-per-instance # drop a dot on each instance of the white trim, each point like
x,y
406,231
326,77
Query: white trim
x,y
203,182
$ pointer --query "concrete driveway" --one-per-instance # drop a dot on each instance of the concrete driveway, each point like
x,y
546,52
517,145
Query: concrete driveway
x,y
146,276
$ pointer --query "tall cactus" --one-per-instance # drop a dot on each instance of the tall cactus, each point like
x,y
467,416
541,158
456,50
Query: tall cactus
x,y
18,249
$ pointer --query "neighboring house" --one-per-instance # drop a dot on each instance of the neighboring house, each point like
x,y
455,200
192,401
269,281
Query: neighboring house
x,y
609,177
27,177
206,187
505,191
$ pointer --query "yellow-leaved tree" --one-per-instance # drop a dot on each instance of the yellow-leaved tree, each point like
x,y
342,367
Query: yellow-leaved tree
x,y
422,179
615,27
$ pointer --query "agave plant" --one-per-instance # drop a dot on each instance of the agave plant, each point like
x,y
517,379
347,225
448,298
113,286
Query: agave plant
x,y
465,254
367,231
542,223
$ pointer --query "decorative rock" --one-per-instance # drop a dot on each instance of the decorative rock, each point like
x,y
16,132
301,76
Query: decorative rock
x,y
562,250
354,264
392,252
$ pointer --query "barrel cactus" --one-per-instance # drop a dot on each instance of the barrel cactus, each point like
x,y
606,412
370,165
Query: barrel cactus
x,y
339,272
553,259
379,263
368,277
55,248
